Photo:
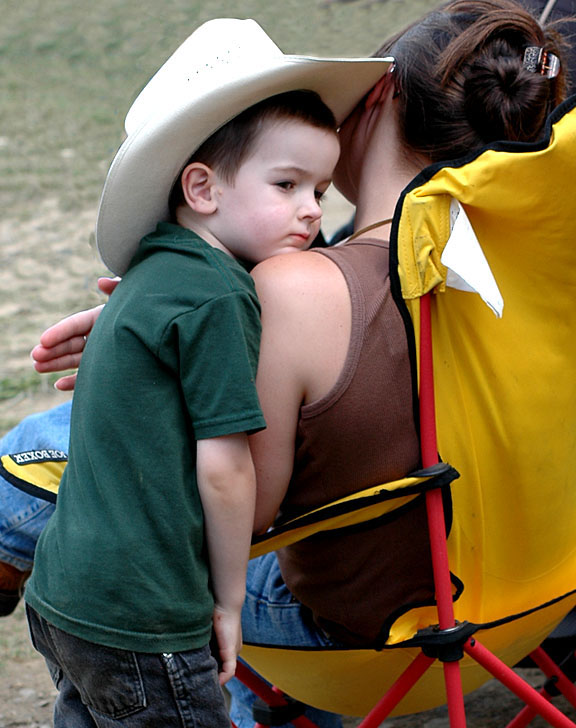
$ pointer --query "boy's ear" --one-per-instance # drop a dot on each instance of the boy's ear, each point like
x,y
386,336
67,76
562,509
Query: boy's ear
x,y
198,187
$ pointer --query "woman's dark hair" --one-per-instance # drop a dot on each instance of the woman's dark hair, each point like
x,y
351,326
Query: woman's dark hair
x,y
229,146
460,79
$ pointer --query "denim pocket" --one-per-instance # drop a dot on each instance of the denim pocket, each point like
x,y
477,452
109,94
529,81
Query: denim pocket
x,y
108,680
40,644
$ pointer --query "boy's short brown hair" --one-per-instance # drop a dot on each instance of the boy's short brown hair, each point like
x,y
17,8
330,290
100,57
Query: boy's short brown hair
x,y
226,149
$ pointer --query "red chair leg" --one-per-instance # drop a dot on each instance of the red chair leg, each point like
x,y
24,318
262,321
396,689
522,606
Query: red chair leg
x,y
554,671
517,685
527,714
397,691
271,696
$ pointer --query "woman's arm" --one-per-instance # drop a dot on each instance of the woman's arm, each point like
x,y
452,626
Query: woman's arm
x,y
61,345
305,334
280,391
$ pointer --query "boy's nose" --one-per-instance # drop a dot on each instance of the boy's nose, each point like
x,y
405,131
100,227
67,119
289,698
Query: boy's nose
x,y
311,209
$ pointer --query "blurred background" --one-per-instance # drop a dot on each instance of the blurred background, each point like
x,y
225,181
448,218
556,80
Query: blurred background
x,y
69,70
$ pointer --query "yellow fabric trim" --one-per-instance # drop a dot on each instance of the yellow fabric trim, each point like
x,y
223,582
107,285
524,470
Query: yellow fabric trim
x,y
422,234
44,475
351,517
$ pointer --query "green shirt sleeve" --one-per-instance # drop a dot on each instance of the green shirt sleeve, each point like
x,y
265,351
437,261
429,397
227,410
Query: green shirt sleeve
x,y
215,348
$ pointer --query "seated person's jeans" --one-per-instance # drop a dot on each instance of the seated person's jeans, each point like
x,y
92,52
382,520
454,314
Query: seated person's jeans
x,y
271,615
22,516
102,686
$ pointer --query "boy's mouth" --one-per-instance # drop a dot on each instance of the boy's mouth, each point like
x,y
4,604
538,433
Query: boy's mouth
x,y
305,237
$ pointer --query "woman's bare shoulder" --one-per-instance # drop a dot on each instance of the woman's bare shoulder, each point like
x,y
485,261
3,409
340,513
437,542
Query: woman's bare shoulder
x,y
306,304
301,273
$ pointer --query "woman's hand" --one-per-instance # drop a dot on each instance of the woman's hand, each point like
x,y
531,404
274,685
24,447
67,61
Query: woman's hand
x,y
107,285
61,345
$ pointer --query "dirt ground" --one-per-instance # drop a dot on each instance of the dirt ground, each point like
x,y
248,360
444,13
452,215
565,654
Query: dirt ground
x,y
47,271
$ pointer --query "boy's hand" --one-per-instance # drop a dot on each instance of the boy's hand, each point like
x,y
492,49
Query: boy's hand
x,y
228,634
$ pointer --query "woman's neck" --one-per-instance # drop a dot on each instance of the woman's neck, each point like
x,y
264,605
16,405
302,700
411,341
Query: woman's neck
x,y
385,173
377,202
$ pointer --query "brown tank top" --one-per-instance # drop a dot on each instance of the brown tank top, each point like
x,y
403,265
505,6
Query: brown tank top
x,y
362,433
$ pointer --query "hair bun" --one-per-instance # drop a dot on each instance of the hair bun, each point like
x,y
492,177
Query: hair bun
x,y
461,82
499,93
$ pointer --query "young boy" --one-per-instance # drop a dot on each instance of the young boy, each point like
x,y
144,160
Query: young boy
x,y
146,553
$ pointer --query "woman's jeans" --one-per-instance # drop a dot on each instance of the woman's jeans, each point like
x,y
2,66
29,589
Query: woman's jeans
x,y
271,615
109,688
22,516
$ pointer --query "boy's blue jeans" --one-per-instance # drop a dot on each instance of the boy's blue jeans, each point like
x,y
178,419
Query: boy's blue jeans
x,y
23,517
108,688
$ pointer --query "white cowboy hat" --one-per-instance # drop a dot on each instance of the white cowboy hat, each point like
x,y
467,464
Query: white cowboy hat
x,y
223,68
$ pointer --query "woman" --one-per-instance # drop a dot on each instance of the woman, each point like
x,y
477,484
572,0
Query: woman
x,y
334,373
460,82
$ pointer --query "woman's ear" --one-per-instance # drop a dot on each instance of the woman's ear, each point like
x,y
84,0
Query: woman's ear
x,y
380,90
198,188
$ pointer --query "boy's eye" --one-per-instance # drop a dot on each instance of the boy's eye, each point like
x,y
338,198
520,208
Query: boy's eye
x,y
319,195
286,185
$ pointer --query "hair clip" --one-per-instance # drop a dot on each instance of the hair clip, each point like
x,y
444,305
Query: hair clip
x,y
537,60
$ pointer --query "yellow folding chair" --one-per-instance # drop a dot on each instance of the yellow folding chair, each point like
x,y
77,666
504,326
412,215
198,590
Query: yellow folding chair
x,y
505,418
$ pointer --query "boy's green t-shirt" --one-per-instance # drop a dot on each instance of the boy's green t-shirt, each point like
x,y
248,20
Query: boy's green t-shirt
x,y
171,360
